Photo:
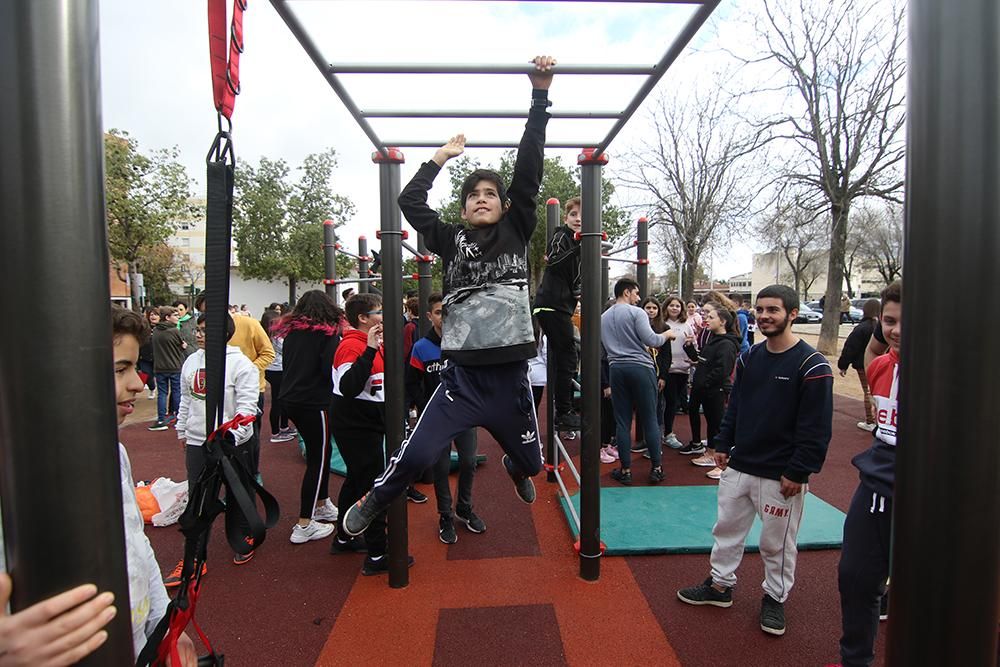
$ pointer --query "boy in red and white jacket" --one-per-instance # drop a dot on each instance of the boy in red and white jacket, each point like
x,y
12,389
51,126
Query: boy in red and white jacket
x,y
864,556
358,421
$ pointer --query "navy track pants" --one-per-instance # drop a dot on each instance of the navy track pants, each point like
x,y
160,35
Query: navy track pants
x,y
497,398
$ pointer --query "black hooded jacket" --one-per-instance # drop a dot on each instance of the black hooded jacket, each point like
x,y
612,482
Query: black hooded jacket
x,y
716,360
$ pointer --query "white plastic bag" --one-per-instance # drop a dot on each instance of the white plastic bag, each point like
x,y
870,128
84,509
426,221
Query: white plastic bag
x,y
172,497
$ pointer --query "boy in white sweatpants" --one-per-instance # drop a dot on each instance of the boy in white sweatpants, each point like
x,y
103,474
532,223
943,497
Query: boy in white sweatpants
x,y
774,435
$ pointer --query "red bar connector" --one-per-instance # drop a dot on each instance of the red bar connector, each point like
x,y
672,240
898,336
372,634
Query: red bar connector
x,y
378,234
586,156
394,156
577,236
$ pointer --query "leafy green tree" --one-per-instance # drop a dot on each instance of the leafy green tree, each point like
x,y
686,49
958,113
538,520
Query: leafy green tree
x,y
558,181
146,196
278,225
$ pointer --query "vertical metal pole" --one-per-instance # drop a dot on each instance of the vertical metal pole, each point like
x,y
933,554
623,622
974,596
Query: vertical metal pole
x,y
551,452
54,234
605,279
424,286
330,259
590,370
642,255
363,264
392,296
946,509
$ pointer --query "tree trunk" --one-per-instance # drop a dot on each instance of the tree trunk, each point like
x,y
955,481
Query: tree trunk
x,y
291,291
134,287
687,277
829,330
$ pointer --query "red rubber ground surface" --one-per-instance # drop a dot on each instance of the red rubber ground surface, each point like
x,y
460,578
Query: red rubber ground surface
x,y
510,596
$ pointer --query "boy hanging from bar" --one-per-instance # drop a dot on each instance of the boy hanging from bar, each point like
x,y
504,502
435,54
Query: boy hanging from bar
x,y
487,333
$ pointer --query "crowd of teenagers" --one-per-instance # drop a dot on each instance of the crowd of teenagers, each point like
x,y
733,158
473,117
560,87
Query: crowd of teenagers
x,y
767,406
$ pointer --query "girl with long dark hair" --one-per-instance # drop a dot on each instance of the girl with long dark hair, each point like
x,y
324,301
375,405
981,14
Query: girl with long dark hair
x,y
311,333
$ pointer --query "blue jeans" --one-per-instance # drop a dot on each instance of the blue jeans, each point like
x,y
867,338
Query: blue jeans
x,y
633,387
167,383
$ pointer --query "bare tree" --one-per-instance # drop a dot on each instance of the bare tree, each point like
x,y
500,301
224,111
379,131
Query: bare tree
x,y
843,60
692,170
798,235
883,245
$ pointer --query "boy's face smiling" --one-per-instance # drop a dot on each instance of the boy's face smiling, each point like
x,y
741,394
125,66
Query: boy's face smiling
x,y
128,385
482,206
573,219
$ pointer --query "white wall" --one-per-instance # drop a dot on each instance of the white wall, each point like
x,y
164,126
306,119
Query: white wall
x,y
259,294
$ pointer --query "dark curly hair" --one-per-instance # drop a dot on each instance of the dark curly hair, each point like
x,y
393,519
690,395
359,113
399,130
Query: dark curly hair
x,y
127,322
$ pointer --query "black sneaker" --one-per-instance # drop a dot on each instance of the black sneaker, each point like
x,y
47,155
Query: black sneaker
x,y
415,496
471,521
359,515
446,530
372,567
705,593
355,545
883,606
772,616
523,485
639,447
693,447
656,475
623,478
568,421
160,426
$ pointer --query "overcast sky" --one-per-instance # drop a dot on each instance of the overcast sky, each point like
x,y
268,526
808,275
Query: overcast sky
x,y
156,82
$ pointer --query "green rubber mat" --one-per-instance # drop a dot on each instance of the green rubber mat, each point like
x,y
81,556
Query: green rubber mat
x,y
338,467
679,519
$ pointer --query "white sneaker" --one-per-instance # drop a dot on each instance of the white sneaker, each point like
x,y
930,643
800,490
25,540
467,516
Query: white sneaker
x,y
151,395
326,512
314,531
865,426
672,442
606,456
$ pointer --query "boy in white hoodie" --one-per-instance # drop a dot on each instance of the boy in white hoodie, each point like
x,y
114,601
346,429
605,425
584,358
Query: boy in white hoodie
x,y
239,398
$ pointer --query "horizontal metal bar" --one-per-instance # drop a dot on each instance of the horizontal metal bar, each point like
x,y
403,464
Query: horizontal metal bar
x,y
484,68
622,259
618,250
488,144
578,115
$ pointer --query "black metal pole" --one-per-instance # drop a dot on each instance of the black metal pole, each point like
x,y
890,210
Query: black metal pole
x,y
330,259
424,285
53,235
605,279
363,264
642,256
590,368
395,402
552,210
947,511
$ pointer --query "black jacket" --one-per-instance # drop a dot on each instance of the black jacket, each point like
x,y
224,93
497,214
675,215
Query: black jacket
x,y
560,286
716,361
307,368
487,318
853,353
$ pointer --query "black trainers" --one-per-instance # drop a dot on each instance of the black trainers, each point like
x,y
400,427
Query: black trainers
x,y
160,426
372,567
656,475
523,485
883,606
772,616
568,421
359,515
355,545
693,447
415,496
471,521
638,447
623,478
446,530
705,593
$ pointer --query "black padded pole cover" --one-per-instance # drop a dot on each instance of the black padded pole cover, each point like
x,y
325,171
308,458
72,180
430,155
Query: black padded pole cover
x,y
59,473
946,544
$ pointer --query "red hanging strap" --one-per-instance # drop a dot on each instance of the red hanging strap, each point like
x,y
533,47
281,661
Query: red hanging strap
x,y
225,71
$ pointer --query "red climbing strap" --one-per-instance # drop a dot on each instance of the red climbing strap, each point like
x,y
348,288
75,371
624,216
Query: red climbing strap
x,y
225,71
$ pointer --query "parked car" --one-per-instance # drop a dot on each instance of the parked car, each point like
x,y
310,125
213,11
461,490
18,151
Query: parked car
x,y
855,312
860,303
808,316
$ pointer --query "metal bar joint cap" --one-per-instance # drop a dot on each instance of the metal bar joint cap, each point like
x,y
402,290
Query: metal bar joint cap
x,y
392,156
579,235
591,156
379,232
552,201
